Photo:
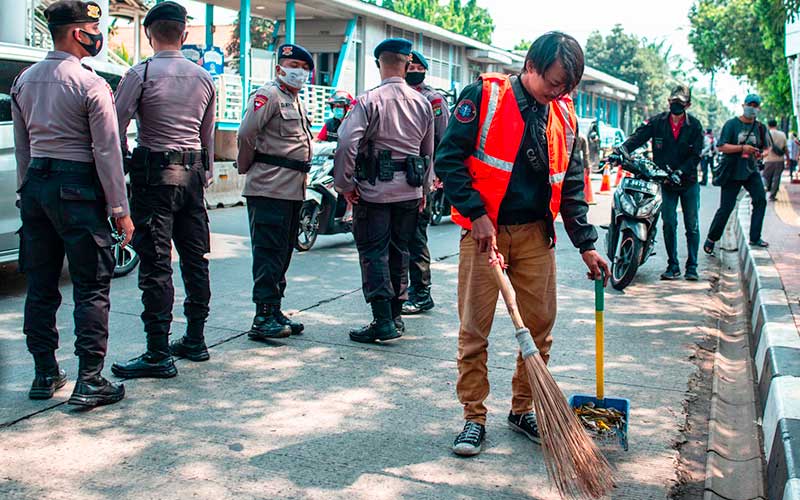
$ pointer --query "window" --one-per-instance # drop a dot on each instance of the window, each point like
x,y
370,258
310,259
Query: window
x,y
8,71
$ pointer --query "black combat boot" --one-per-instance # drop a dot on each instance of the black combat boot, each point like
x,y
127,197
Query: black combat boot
x,y
382,326
397,316
92,389
296,328
420,302
156,362
48,378
191,346
266,325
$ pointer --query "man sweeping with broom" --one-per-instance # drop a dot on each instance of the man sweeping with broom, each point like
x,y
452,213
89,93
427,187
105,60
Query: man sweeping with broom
x,y
509,166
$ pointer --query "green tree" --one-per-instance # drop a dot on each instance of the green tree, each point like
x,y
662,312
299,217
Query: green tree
x,y
459,16
746,38
261,31
523,45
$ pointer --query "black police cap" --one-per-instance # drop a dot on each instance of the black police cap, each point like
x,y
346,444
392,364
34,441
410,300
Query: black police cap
x,y
396,45
291,51
165,11
72,12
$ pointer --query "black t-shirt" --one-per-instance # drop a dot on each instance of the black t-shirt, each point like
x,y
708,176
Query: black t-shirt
x,y
735,131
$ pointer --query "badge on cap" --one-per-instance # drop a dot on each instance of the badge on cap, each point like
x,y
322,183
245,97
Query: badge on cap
x,y
465,111
93,11
286,51
259,101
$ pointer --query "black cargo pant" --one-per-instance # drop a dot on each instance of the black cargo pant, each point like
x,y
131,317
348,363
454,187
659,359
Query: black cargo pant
x,y
65,213
169,207
727,201
274,224
382,232
419,256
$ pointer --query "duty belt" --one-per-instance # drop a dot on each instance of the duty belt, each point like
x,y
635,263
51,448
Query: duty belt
x,y
399,165
282,161
165,158
56,165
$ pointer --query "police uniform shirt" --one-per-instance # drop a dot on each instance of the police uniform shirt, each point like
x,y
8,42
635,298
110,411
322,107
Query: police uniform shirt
x,y
174,107
275,123
441,113
396,118
63,110
527,197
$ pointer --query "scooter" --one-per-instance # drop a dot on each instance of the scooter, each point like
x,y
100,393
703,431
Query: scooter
x,y
634,215
323,211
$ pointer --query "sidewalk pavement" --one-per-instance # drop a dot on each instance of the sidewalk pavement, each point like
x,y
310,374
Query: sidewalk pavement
x,y
318,416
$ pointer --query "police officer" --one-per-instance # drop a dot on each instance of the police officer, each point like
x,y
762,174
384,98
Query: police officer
x,y
69,175
419,293
173,101
383,167
275,153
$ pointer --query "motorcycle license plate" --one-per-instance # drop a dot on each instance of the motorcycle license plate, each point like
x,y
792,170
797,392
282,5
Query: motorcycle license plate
x,y
640,185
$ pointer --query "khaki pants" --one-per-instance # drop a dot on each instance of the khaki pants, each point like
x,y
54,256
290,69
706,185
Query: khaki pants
x,y
532,270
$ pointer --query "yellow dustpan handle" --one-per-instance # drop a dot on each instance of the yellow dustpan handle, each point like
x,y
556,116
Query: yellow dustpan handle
x,y
599,305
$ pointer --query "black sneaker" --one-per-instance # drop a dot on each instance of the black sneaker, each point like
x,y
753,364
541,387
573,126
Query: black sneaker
x,y
470,441
691,275
45,385
148,365
525,424
191,350
671,274
296,328
418,304
266,325
759,243
96,391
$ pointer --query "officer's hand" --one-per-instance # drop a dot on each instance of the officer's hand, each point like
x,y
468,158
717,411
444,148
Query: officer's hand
x,y
597,265
484,234
125,227
352,197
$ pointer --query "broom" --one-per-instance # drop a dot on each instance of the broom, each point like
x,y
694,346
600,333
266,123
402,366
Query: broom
x,y
573,461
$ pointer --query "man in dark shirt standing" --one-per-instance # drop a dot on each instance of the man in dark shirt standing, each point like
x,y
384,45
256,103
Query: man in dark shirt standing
x,y
742,141
508,166
677,143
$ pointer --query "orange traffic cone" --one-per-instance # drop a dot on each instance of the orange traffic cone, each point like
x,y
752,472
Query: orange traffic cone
x,y
587,188
605,186
620,172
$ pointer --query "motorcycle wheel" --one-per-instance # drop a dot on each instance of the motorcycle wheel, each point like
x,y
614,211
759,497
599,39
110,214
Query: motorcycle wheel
x,y
437,208
309,226
627,257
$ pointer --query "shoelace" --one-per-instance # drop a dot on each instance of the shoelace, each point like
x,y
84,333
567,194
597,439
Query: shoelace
x,y
471,433
530,420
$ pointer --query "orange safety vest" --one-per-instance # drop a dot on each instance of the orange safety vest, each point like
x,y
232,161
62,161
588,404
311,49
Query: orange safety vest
x,y
501,128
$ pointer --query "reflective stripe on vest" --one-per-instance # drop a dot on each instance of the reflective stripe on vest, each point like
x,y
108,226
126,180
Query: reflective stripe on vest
x,y
501,130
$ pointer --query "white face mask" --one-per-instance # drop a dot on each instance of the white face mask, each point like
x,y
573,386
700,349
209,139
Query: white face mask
x,y
294,77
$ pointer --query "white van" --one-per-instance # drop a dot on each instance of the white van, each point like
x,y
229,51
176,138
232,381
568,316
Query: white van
x,y
13,59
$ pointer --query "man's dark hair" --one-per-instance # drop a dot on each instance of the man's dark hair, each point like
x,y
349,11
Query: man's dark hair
x,y
167,31
557,46
393,59
59,32
772,123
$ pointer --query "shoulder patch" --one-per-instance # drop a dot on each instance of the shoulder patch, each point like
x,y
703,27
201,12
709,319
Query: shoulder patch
x,y
465,111
258,101
437,104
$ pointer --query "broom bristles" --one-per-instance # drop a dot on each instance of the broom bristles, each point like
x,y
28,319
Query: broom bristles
x,y
574,462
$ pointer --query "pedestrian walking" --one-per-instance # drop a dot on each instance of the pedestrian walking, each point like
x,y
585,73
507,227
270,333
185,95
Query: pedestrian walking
x,y
275,154
173,101
793,149
742,142
509,166
677,142
383,167
775,160
419,290
69,179
707,156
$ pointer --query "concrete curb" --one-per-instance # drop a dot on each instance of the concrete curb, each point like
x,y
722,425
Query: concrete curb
x,y
776,352
226,190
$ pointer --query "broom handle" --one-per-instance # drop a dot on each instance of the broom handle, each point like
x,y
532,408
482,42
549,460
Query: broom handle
x,y
599,306
508,296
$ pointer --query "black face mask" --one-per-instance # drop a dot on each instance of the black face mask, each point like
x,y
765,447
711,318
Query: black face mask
x,y
93,48
677,108
414,78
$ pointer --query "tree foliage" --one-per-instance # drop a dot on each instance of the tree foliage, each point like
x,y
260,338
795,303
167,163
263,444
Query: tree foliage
x,y
261,31
747,38
651,66
464,17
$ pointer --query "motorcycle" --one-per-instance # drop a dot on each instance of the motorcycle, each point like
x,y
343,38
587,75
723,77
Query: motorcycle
x,y
323,211
635,211
440,207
